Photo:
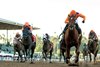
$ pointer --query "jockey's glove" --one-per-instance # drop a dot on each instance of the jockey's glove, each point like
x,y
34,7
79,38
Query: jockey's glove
x,y
83,21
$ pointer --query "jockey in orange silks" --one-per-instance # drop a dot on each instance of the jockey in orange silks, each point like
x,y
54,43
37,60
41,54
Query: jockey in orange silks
x,y
76,14
94,35
27,25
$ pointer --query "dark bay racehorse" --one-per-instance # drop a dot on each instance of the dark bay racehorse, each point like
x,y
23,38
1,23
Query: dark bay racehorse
x,y
62,49
72,39
93,46
18,47
47,49
28,44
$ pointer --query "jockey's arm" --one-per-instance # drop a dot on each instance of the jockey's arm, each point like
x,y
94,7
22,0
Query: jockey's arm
x,y
22,28
82,16
31,28
66,21
96,38
19,38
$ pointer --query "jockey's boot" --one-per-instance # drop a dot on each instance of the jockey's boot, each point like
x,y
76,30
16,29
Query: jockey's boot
x,y
31,36
63,33
78,29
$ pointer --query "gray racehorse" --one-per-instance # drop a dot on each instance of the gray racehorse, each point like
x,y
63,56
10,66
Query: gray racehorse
x,y
18,47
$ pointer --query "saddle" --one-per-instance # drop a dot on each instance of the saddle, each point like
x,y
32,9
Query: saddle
x,y
33,38
27,33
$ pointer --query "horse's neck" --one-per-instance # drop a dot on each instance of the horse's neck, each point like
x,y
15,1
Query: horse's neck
x,y
71,33
92,44
45,43
18,44
28,40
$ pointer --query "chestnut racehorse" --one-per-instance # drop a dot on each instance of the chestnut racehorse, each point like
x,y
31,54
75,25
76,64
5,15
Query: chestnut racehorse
x,y
72,39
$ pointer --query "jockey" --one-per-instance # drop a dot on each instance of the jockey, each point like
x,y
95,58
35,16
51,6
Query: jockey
x,y
95,36
77,14
46,36
28,26
17,38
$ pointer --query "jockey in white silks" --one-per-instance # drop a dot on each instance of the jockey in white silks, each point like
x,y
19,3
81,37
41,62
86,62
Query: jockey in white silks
x,y
17,38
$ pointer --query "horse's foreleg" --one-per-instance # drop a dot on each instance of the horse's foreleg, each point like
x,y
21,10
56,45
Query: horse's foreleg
x,y
32,52
95,55
90,57
68,55
14,54
84,57
42,54
46,56
20,55
60,55
77,54
50,55
25,54
63,56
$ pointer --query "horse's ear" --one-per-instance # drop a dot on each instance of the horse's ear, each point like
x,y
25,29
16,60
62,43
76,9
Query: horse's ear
x,y
68,15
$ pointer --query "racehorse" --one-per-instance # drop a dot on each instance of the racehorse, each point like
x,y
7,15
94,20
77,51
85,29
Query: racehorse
x,y
72,39
62,49
93,46
28,44
47,49
85,52
18,47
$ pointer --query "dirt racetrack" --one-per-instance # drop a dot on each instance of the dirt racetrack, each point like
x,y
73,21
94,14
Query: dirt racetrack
x,y
44,64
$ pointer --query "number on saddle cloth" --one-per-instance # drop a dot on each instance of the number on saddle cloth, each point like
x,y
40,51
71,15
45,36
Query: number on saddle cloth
x,y
26,31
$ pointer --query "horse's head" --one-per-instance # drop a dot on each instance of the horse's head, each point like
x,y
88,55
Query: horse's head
x,y
72,20
91,35
44,40
91,38
25,37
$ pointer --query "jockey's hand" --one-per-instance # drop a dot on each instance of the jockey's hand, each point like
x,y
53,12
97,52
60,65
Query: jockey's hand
x,y
83,21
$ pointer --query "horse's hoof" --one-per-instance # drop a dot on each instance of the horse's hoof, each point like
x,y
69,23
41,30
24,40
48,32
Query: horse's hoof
x,y
67,61
32,63
76,61
50,62
22,61
74,64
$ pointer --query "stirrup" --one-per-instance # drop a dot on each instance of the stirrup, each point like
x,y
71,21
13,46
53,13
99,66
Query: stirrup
x,y
62,34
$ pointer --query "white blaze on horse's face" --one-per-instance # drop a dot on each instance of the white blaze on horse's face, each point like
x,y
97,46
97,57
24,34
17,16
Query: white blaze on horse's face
x,y
71,22
71,26
71,18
